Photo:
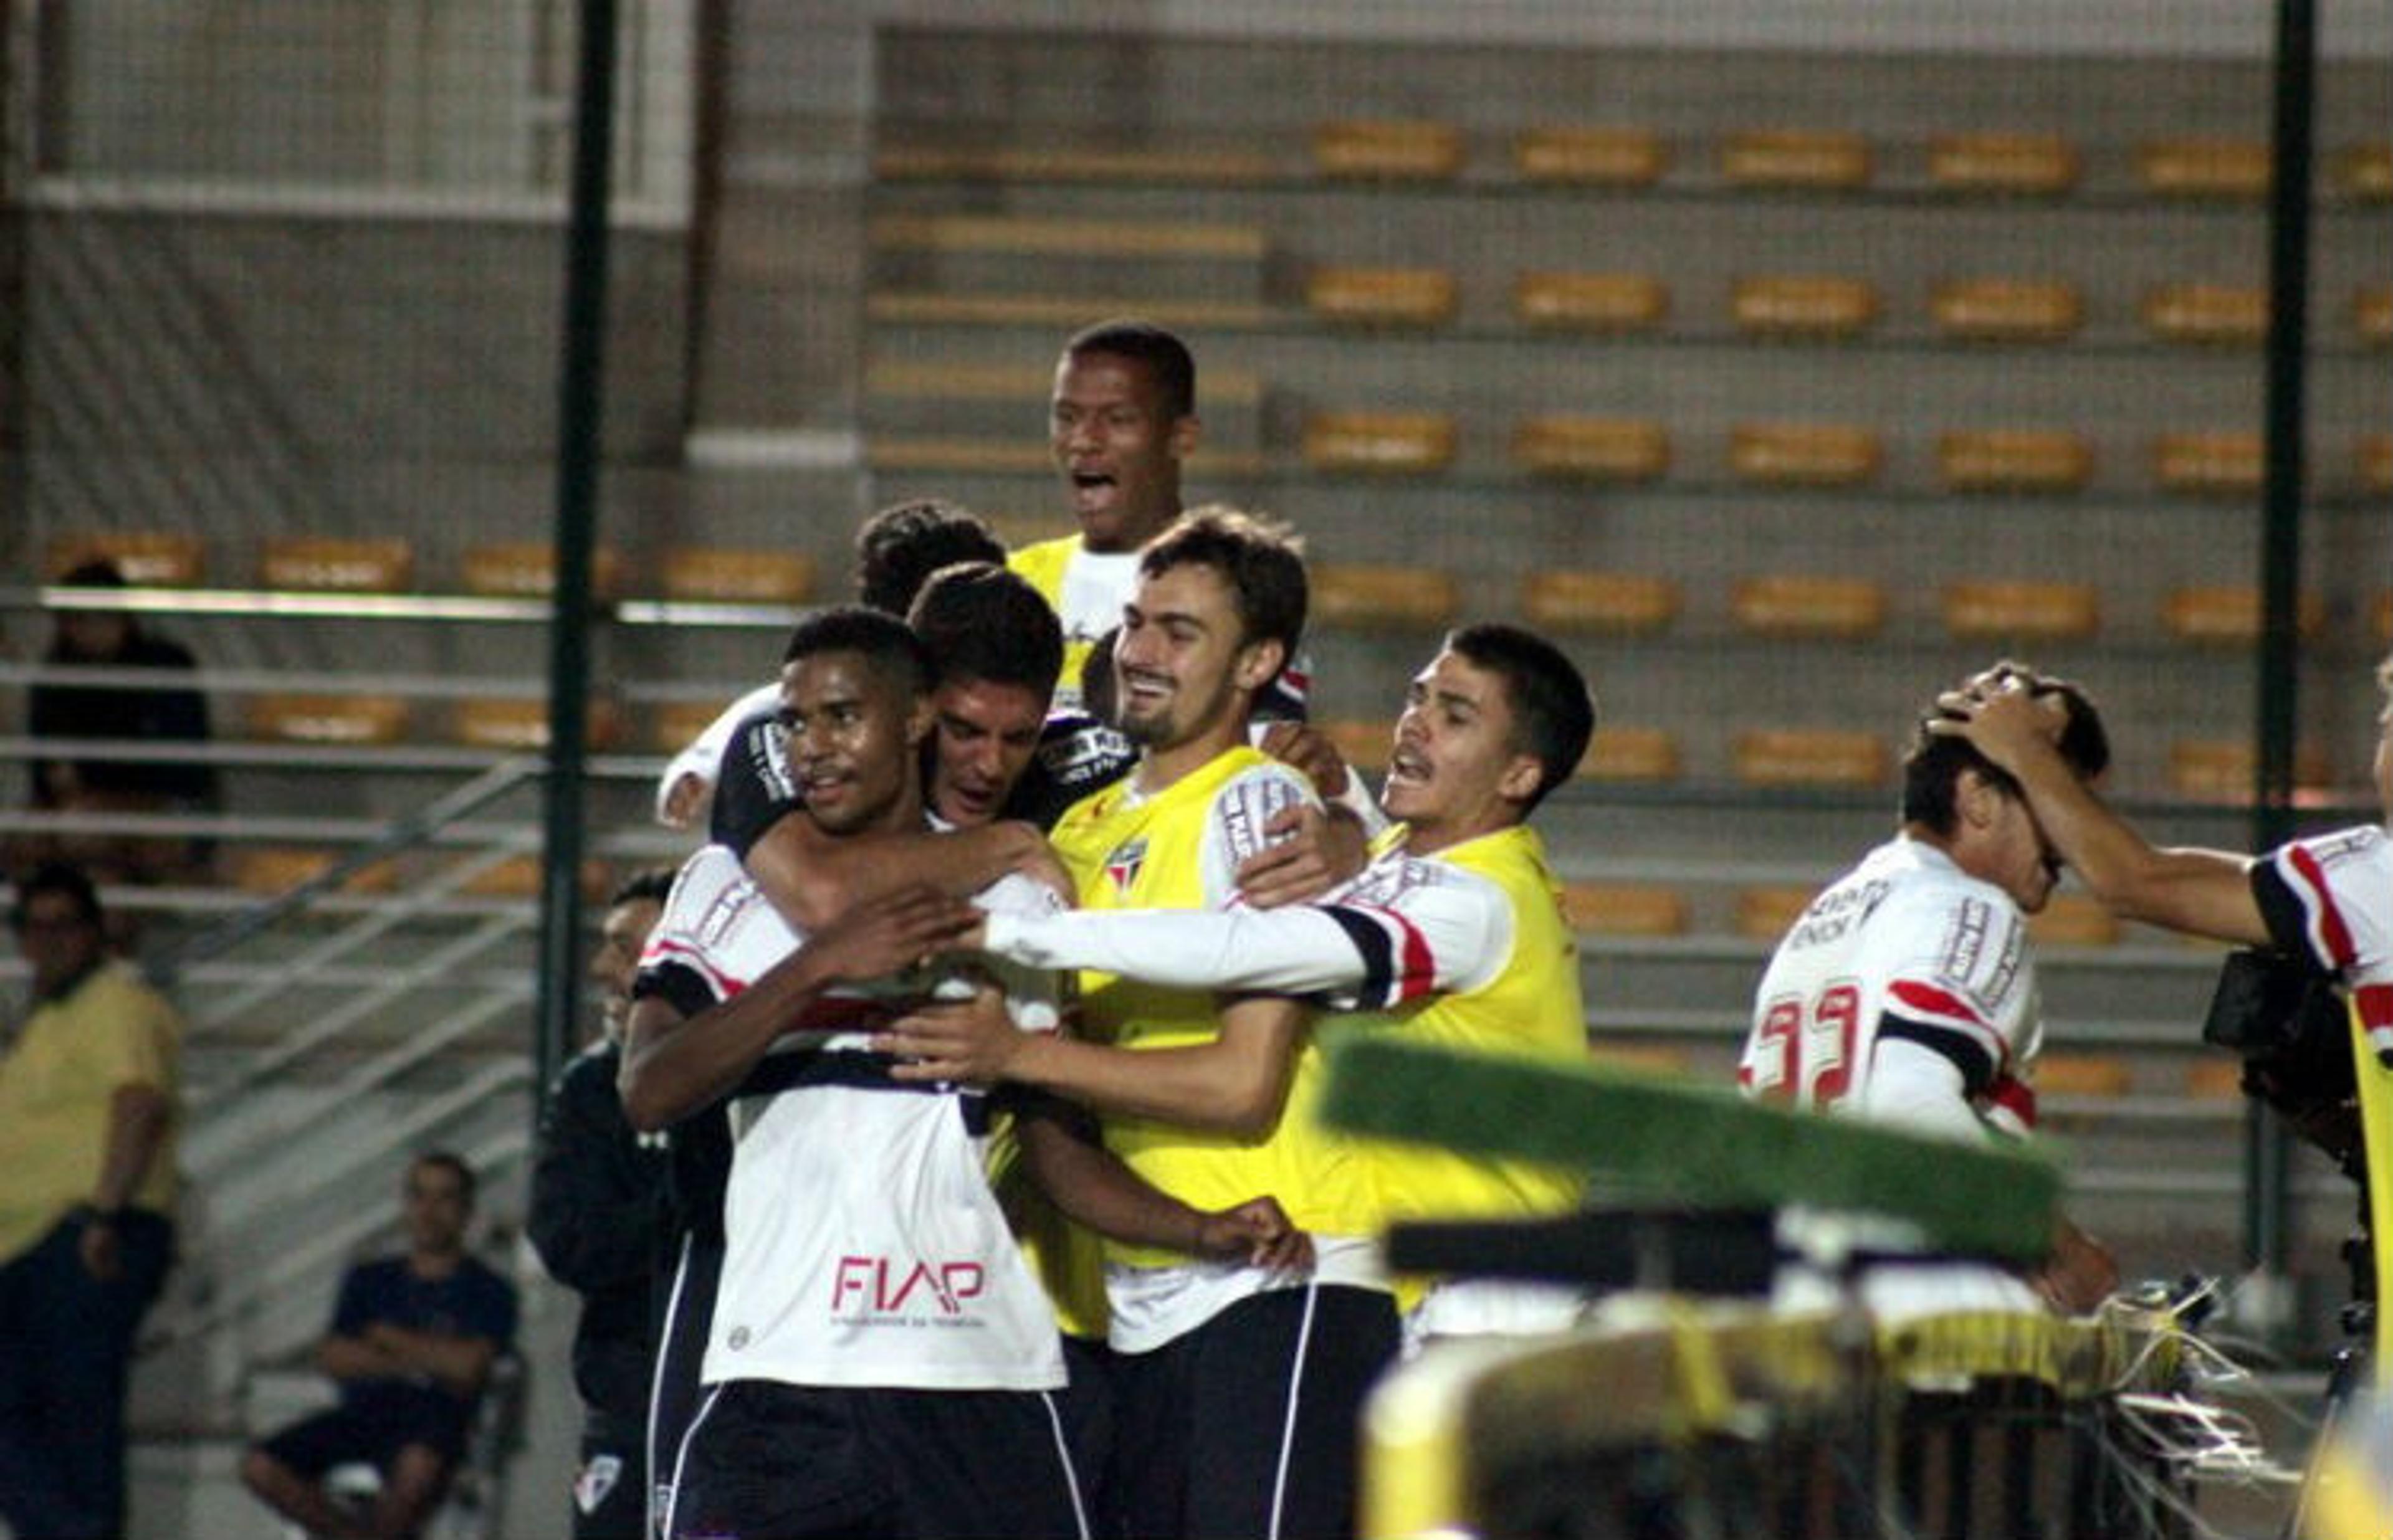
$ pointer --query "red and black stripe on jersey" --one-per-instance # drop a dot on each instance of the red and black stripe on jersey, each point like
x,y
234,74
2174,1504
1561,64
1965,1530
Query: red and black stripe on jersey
x,y
1397,963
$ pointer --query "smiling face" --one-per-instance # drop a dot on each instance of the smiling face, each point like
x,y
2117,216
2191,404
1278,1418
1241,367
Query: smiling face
x,y
851,735
1118,448
1457,770
1183,672
983,735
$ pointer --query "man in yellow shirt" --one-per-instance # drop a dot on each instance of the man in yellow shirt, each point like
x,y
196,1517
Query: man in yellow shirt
x,y
87,1121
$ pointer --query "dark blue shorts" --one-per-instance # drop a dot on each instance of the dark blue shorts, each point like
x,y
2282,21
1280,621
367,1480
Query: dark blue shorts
x,y
374,1428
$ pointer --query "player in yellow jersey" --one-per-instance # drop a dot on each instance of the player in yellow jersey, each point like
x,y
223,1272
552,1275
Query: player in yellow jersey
x,y
1452,934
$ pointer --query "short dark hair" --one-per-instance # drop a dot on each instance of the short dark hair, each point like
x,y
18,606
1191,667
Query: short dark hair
x,y
449,1160
1932,763
885,643
653,885
61,877
1165,359
1553,711
900,547
980,622
1261,561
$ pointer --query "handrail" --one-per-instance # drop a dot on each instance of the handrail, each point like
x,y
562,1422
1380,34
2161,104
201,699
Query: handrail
x,y
394,607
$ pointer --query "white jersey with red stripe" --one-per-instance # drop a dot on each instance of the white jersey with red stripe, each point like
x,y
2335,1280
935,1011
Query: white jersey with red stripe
x,y
1905,994
863,1246
2330,898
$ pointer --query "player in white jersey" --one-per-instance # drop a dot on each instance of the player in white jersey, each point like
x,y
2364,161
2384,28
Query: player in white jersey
x,y
2326,897
1905,993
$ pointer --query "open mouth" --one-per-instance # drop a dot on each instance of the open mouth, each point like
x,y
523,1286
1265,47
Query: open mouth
x,y
1406,768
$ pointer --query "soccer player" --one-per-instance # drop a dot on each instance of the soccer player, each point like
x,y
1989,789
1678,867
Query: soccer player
x,y
2326,897
1452,936
1905,993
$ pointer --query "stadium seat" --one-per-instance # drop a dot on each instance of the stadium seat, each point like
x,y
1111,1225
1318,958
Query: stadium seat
x,y
2383,612
1995,610
1595,448
1620,908
1590,156
2073,919
317,562
946,308
2205,168
1640,1058
1205,167
672,724
728,575
1387,149
1802,306
520,877
2228,615
1628,603
2207,464
278,868
2223,769
1380,296
1795,604
1795,158
2371,316
2215,1079
1589,302
2364,173
520,725
349,719
526,570
2065,1074
2210,313
1804,454
2008,309
1363,742
2374,457
1040,235
1361,594
1392,442
2031,164
1768,913
2014,460
147,558
1627,752
1824,757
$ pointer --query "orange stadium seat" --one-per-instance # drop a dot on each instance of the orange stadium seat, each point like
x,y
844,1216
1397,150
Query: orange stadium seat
x,y
1805,454
1640,1058
672,724
2374,457
1803,305
278,868
1797,604
2101,1074
2205,168
1393,442
2037,163
2371,316
2014,460
2364,173
1995,609
521,725
526,570
1629,604
2212,313
2229,615
2224,769
2008,309
1809,756
1627,752
1589,302
1069,164
1360,741
1620,908
2073,919
147,558
1388,150
349,720
1817,158
1380,296
1768,913
519,877
318,562
2215,1080
1357,593
1590,156
728,575
1595,448
2211,464
1042,235
2382,609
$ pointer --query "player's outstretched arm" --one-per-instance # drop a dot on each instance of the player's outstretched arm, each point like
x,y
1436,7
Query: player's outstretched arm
x,y
812,878
1090,1186
2205,892
674,1066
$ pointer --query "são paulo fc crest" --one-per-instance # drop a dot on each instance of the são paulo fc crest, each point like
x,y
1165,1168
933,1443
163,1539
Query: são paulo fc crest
x,y
1121,867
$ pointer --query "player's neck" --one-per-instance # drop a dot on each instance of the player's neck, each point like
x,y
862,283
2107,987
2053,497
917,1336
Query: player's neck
x,y
1160,768
1131,538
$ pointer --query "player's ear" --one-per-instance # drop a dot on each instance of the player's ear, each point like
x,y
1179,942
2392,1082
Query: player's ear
x,y
1521,778
919,718
1976,799
1259,662
1182,440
